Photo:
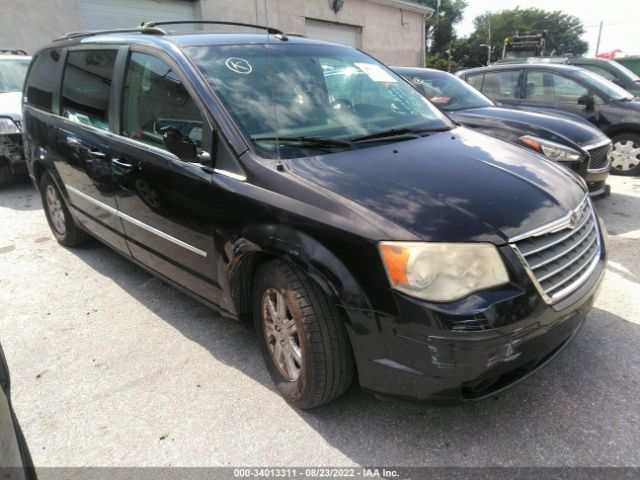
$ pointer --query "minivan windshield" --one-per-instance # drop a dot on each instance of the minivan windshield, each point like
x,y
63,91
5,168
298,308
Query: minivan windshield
x,y
296,99
12,74
447,91
601,83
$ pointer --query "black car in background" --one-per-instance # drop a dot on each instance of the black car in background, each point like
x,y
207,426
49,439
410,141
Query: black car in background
x,y
15,460
565,88
574,143
305,187
612,70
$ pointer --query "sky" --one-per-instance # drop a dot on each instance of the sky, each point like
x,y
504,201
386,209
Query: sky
x,y
621,19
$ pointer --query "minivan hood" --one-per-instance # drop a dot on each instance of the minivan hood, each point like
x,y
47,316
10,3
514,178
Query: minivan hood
x,y
548,126
11,105
458,185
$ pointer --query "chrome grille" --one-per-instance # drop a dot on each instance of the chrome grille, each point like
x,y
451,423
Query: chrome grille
x,y
561,260
599,157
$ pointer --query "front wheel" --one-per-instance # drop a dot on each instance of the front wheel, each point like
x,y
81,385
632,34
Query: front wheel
x,y
303,340
625,157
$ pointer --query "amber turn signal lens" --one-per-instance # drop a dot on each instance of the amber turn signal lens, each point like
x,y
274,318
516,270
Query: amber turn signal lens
x,y
531,142
396,259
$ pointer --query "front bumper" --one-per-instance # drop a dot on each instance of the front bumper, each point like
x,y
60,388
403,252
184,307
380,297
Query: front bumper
x,y
468,350
596,181
12,153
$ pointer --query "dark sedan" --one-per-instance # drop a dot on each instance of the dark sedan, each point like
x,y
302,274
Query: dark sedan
x,y
565,88
573,142
15,460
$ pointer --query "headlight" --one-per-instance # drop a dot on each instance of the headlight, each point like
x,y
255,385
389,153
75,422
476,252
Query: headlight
x,y
552,150
442,272
8,126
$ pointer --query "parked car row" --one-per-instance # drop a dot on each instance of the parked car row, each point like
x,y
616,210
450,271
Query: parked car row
x,y
567,89
307,188
572,142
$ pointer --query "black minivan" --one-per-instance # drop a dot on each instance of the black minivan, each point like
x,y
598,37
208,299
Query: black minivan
x,y
556,88
307,188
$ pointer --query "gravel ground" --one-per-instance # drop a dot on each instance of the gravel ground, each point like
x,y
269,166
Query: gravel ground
x,y
111,367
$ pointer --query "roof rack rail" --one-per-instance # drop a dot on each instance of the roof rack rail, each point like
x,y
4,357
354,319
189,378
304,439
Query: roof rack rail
x,y
12,51
141,29
271,30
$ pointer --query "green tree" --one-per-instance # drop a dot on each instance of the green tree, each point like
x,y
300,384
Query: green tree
x,y
441,62
440,28
563,32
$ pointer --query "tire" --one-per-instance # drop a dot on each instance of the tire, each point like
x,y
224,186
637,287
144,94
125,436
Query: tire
x,y
626,154
62,224
322,367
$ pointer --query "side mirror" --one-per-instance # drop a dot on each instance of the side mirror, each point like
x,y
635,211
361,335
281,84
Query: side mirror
x,y
587,100
179,144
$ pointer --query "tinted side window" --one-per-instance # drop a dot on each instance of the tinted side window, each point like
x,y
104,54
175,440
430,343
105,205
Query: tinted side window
x,y
600,71
154,98
475,81
550,87
501,85
42,80
86,87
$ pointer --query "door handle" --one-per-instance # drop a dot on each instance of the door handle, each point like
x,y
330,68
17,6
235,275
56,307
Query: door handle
x,y
73,141
122,164
97,154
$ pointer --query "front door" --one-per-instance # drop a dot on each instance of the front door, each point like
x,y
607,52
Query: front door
x,y
165,202
551,90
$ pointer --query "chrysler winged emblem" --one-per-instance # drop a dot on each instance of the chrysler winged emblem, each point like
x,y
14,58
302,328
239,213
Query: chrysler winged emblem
x,y
573,220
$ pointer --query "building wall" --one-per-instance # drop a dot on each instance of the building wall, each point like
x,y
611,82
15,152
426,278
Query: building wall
x,y
31,24
392,34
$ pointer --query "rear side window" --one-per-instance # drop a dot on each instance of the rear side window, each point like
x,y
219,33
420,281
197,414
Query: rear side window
x,y
155,98
475,81
86,87
501,85
42,80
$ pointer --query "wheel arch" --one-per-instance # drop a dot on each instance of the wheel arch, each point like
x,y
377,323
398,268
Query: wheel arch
x,y
260,244
618,129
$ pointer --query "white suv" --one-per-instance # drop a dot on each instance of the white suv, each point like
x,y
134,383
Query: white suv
x,y
13,70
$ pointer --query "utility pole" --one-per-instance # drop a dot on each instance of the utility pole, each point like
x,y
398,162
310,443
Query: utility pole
x,y
489,38
449,60
598,42
488,52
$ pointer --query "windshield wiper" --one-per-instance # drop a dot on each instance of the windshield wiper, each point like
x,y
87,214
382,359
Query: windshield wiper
x,y
310,141
396,133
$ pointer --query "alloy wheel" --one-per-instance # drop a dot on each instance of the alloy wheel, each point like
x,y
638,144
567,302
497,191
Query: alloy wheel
x,y
55,210
281,333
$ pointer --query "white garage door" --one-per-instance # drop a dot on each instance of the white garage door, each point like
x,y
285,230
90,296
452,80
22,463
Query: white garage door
x,y
108,14
333,32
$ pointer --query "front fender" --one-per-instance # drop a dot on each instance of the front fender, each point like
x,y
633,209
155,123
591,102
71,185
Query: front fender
x,y
261,242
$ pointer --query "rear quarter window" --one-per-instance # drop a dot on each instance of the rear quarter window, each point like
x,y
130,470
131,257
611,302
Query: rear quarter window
x,y
42,80
475,81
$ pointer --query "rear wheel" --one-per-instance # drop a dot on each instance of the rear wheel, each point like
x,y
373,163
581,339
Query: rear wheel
x,y
62,224
303,340
625,157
